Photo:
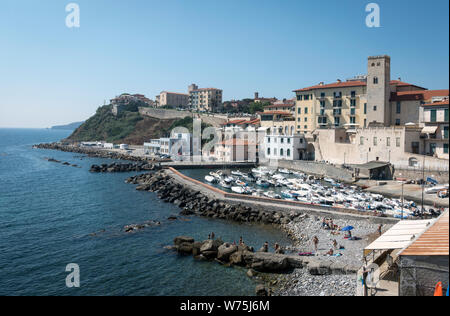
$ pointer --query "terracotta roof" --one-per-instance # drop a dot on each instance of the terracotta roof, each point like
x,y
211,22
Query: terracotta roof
x,y
284,105
234,122
404,84
236,142
175,93
419,95
433,242
343,84
252,122
347,84
442,103
275,113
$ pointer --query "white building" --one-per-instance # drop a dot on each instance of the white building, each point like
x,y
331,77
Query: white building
x,y
284,147
153,147
178,146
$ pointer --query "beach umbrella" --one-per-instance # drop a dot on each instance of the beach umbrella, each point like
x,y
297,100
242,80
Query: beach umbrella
x,y
347,228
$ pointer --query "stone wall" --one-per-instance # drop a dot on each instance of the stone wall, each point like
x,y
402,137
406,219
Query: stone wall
x,y
317,168
214,120
416,174
420,274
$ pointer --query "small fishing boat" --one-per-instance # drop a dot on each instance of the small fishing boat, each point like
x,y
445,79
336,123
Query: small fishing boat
x,y
262,183
225,185
210,179
272,195
284,171
237,173
238,190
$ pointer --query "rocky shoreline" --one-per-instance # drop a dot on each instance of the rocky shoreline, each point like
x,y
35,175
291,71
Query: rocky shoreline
x,y
90,152
195,203
307,275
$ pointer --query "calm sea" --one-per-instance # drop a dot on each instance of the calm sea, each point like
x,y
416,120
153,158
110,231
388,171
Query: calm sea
x,y
48,212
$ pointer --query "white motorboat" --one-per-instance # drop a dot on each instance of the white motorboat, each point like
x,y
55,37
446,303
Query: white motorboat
x,y
225,185
238,190
284,171
211,179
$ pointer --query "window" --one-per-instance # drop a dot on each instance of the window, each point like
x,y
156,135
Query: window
x,y
361,140
353,111
365,108
288,140
446,115
399,107
375,80
281,152
299,119
306,119
268,140
289,153
322,112
337,111
375,141
268,151
282,140
306,110
445,132
352,120
388,142
353,94
374,108
397,122
445,148
397,141
337,121
306,126
432,148
306,97
322,94
299,110
433,115
322,104
353,102
299,97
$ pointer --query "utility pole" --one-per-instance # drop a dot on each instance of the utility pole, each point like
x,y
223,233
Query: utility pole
x,y
423,183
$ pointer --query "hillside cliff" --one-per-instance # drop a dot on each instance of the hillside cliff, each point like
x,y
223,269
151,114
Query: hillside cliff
x,y
129,127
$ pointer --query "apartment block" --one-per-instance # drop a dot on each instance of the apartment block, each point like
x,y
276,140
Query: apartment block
x,y
204,99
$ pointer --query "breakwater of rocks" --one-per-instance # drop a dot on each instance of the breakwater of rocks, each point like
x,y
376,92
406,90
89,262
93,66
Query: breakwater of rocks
x,y
124,167
91,152
195,203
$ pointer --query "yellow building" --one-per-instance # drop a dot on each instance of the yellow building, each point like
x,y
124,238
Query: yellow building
x,y
278,119
204,99
331,105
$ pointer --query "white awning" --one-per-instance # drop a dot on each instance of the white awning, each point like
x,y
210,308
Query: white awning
x,y
400,235
429,129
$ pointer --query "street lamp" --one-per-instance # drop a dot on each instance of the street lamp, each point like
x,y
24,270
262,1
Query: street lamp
x,y
403,183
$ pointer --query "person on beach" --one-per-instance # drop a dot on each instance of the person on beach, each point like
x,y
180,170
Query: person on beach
x,y
266,247
330,252
315,242
241,241
335,244
380,229
213,236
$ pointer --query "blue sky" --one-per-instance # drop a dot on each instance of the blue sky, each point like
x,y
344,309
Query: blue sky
x,y
51,74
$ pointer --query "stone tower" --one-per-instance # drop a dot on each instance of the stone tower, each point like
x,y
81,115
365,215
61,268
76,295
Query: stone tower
x,y
378,90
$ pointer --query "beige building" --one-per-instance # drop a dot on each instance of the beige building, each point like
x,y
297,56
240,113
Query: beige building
x,y
435,132
278,118
204,99
172,99
236,149
372,99
400,145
